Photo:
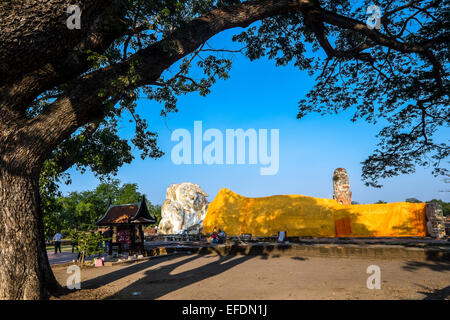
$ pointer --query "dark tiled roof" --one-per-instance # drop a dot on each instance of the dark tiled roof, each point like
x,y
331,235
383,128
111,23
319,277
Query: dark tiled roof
x,y
120,214
127,214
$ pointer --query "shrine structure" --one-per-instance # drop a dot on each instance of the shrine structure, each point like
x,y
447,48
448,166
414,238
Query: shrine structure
x,y
125,223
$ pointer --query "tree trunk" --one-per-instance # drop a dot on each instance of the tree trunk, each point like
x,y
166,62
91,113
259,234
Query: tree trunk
x,y
25,272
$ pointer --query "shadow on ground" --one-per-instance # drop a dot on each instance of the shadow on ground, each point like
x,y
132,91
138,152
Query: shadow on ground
x,y
435,294
159,282
104,279
439,266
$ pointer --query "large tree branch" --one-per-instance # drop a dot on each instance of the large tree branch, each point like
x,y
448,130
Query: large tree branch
x,y
86,98
65,160
314,22
420,48
45,52
373,34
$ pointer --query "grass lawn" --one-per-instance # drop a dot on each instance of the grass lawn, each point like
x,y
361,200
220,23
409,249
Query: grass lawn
x,y
64,248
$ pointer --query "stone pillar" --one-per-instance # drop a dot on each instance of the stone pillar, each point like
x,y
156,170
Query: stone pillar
x,y
435,220
341,187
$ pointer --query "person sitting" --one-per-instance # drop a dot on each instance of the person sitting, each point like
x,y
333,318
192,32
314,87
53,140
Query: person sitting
x,y
214,236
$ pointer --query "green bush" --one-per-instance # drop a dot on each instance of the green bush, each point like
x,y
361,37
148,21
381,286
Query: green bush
x,y
87,244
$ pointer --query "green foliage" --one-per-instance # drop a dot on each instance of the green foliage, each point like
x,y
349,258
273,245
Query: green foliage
x,y
104,152
155,211
377,83
80,210
97,146
380,202
413,200
407,91
128,194
87,244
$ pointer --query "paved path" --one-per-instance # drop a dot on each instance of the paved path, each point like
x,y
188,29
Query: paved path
x,y
65,257
61,257
190,277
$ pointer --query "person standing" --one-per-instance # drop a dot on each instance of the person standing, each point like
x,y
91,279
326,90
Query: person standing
x,y
57,239
107,235
74,244
222,236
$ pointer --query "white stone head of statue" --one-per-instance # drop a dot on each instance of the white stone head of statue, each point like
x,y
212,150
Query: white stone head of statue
x,y
190,194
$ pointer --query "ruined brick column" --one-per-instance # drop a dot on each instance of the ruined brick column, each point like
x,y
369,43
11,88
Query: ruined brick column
x,y
341,187
435,220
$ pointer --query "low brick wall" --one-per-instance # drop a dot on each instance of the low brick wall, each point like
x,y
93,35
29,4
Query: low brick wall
x,y
340,251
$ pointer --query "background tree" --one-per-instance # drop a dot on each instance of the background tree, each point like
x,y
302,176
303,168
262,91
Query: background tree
x,y
87,244
80,210
445,206
99,149
60,85
128,194
413,200
155,211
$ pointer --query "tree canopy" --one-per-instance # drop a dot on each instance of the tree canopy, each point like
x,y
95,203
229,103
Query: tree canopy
x,y
398,73
80,210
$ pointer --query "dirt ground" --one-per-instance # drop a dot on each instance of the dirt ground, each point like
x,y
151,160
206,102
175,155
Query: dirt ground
x,y
191,277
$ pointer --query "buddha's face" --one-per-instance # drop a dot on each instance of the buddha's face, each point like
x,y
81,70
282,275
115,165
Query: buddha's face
x,y
193,197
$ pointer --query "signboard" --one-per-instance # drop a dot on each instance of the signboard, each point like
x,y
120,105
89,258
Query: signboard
x,y
98,262
123,236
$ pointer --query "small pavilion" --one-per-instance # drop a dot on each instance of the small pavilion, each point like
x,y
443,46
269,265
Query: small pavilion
x,y
125,223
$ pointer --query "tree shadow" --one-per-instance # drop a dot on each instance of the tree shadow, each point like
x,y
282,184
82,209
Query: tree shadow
x,y
161,281
438,266
299,258
436,294
107,278
266,256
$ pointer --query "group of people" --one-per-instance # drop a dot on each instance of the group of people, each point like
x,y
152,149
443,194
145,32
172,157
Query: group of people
x,y
218,236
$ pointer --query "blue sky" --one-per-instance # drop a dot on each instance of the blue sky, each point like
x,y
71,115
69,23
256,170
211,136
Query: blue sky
x,y
261,96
